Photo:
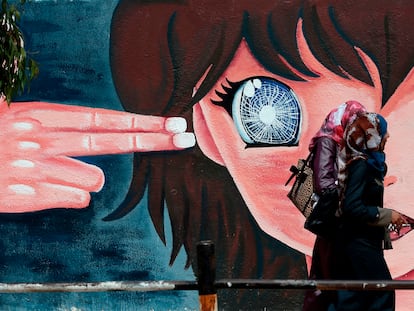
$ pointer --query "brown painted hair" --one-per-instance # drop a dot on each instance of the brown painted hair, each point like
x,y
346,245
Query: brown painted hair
x,y
160,49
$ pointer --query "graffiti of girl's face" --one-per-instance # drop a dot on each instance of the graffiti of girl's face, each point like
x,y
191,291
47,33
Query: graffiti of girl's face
x,y
260,171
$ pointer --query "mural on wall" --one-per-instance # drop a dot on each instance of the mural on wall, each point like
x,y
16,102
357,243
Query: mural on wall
x,y
180,124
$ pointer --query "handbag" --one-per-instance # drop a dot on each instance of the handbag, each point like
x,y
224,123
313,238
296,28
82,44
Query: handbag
x,y
322,220
319,211
301,194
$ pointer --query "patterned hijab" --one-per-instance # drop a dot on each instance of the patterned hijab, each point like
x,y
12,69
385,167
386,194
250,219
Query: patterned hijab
x,y
363,140
336,121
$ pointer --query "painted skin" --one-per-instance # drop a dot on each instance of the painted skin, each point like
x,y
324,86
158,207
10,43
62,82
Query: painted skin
x,y
37,171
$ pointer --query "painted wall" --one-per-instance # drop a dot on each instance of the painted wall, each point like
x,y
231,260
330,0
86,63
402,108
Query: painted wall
x,y
95,188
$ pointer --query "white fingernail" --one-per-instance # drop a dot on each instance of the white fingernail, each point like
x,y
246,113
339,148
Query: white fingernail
x,y
23,126
23,163
28,145
22,189
184,140
176,125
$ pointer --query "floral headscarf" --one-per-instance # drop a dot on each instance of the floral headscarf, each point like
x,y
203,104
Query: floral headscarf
x,y
337,120
363,140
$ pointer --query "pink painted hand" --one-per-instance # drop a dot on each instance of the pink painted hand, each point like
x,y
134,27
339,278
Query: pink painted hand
x,y
39,139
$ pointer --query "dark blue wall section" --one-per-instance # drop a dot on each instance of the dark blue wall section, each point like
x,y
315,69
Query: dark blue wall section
x,y
70,41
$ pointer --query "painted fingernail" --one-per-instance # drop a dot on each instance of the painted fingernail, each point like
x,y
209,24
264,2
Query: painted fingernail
x,y
23,126
23,163
176,125
22,189
184,140
28,145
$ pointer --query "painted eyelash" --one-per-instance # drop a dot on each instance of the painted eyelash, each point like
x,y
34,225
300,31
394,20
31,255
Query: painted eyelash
x,y
226,98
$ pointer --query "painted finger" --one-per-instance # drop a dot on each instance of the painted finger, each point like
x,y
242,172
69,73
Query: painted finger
x,y
9,129
68,117
47,145
21,198
61,171
76,144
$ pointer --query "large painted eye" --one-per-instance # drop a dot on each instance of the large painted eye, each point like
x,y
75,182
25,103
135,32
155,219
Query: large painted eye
x,y
266,111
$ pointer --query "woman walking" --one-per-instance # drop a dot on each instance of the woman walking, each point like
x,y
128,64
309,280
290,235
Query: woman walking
x,y
363,233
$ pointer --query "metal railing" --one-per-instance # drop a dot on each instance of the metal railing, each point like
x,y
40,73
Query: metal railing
x,y
206,283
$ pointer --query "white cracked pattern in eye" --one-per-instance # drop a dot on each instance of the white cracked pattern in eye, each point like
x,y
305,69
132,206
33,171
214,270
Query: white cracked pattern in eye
x,y
266,111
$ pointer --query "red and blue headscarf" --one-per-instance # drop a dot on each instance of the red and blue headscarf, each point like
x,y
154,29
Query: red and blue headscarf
x,y
336,122
363,140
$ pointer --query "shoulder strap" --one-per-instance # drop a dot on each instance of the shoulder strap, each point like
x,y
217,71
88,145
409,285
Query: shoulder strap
x,y
295,170
309,156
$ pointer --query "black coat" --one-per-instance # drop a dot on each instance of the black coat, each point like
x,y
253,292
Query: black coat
x,y
363,197
359,241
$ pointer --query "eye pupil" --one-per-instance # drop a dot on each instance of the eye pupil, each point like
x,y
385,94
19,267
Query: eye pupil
x,y
267,114
266,111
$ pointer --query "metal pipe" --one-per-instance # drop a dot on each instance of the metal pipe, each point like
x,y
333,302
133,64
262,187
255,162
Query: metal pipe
x,y
206,276
377,285
147,286
97,286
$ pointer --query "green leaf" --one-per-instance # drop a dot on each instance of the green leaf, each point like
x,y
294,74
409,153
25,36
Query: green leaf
x,y
16,68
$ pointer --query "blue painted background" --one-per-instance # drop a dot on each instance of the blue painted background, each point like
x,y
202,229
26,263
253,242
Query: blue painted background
x,y
70,42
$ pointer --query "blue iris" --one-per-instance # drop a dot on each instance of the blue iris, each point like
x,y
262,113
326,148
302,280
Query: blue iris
x,y
266,111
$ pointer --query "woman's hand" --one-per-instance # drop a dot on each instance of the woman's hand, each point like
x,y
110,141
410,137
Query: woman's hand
x,y
39,139
397,219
